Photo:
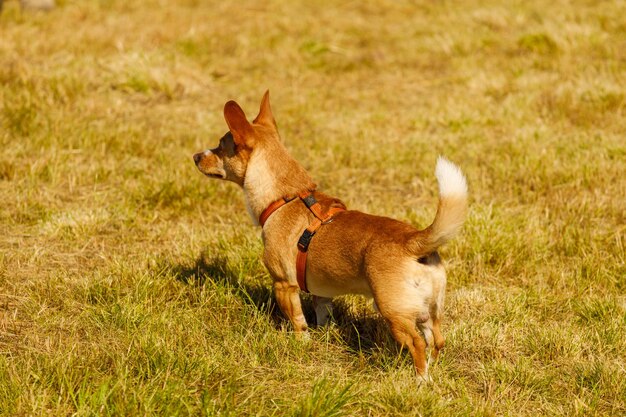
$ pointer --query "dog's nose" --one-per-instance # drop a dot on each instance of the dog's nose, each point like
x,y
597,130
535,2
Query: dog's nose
x,y
197,157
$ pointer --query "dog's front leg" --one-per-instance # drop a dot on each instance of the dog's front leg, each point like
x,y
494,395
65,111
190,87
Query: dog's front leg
x,y
288,298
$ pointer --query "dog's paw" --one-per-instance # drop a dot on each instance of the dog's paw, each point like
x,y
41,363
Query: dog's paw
x,y
304,336
425,379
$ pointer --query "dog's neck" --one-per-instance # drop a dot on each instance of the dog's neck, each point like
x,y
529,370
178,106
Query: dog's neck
x,y
271,175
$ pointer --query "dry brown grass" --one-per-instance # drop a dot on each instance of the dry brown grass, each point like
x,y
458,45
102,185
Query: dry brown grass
x,y
130,284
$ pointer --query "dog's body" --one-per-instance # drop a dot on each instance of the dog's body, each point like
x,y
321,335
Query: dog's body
x,y
356,253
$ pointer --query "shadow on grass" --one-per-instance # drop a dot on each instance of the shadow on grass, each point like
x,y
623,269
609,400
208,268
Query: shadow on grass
x,y
362,333
219,272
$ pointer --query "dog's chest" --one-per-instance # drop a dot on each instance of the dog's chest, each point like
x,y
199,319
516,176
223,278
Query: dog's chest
x,y
259,186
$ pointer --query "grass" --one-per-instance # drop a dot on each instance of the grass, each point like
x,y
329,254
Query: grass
x,y
132,285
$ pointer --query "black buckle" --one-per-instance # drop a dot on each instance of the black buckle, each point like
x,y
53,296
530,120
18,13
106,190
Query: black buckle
x,y
305,240
309,200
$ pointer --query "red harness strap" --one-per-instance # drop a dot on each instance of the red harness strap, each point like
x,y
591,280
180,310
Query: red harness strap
x,y
321,218
272,208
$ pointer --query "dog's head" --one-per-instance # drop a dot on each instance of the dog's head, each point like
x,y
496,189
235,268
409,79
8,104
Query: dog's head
x,y
229,160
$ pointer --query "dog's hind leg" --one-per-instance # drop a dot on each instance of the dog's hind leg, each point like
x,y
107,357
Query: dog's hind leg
x,y
436,314
431,336
288,298
406,335
403,293
438,337
427,331
323,309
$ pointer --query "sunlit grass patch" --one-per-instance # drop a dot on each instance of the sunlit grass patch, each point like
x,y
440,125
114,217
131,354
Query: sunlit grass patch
x,y
132,285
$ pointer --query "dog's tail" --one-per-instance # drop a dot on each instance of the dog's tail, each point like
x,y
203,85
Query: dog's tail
x,y
451,211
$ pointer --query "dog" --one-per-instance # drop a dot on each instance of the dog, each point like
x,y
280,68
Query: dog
x,y
345,251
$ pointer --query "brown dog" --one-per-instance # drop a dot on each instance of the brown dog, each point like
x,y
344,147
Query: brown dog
x,y
349,252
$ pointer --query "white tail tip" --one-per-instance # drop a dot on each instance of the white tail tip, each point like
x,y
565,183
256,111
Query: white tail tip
x,y
451,179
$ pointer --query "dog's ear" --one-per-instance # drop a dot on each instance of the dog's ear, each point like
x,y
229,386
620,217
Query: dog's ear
x,y
238,124
265,116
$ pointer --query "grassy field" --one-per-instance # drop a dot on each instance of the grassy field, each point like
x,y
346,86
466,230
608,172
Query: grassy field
x,y
132,285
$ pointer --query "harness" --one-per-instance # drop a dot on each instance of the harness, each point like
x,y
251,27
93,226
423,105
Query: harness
x,y
321,217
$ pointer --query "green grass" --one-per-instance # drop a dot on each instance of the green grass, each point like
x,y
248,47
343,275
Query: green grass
x,y
132,285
